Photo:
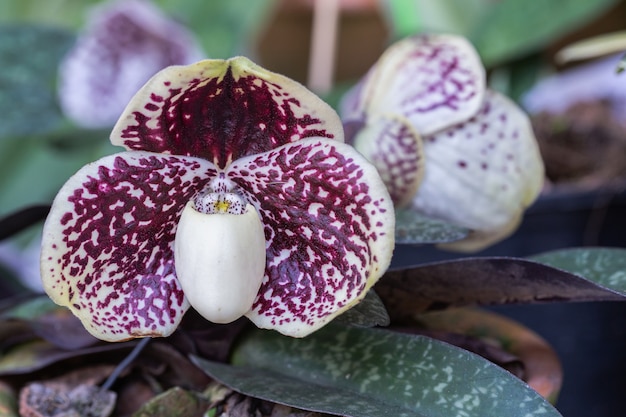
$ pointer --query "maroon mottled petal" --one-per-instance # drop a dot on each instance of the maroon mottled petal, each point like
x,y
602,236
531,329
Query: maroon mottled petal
x,y
432,80
329,226
107,249
395,149
221,111
124,44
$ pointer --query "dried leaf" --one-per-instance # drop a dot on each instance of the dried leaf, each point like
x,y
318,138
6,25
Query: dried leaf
x,y
41,399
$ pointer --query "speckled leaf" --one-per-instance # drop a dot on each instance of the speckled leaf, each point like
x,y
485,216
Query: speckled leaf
x,y
484,281
29,56
604,266
413,228
107,247
368,313
432,80
221,111
371,372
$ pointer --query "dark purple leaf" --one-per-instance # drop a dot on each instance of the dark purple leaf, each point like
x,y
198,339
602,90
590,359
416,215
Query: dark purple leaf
x,y
484,281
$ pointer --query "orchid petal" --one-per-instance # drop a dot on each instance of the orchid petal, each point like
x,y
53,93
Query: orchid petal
x,y
125,43
482,174
329,228
220,261
395,149
432,80
221,111
107,247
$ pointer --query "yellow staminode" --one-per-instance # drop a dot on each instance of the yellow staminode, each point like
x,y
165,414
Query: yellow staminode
x,y
222,206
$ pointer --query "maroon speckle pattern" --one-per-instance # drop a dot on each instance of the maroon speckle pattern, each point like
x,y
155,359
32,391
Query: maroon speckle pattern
x,y
114,252
397,155
433,80
442,77
220,120
320,221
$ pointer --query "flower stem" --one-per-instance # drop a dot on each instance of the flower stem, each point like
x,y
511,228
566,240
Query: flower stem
x,y
127,360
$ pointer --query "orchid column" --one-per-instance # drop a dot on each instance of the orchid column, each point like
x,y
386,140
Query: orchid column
x,y
235,196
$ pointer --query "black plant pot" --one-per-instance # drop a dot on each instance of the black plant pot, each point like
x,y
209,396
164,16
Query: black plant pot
x,y
590,338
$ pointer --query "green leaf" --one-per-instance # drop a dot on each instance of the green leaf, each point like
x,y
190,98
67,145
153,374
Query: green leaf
x,y
413,228
371,372
368,313
486,281
512,28
33,170
30,56
604,266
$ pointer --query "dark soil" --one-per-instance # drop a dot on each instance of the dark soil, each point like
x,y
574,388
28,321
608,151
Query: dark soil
x,y
584,147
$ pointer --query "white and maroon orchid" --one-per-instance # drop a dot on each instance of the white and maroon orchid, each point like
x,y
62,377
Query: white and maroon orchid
x,y
445,145
124,43
236,195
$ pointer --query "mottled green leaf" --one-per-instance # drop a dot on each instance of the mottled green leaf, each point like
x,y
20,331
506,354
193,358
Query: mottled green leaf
x,y
30,56
485,281
604,266
368,313
372,372
413,228
512,28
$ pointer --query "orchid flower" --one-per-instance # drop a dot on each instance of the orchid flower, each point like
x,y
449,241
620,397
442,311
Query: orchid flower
x,y
236,195
445,145
125,42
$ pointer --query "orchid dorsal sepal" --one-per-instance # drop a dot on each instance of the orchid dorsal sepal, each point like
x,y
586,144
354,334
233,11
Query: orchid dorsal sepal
x,y
220,260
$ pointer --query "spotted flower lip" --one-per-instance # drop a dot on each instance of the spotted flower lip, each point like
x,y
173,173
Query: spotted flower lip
x,y
210,148
124,43
445,145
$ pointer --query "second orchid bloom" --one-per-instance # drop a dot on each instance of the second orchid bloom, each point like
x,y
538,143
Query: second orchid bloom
x,y
445,145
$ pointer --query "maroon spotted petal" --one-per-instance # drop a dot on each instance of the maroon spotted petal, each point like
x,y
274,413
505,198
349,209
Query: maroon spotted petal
x,y
329,226
395,149
221,111
433,80
107,249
